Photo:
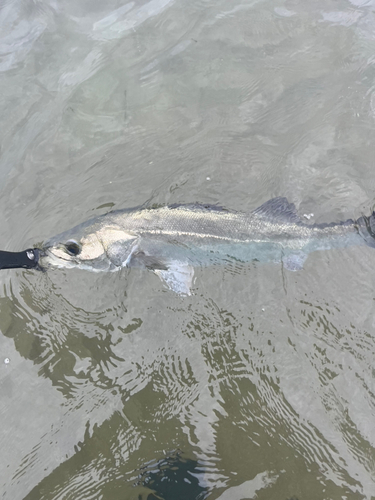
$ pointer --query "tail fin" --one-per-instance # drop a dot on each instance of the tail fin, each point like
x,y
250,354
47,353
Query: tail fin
x,y
371,221
366,228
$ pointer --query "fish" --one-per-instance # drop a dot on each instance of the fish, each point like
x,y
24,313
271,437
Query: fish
x,y
173,240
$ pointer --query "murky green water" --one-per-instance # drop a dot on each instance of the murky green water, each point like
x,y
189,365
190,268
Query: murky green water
x,y
262,383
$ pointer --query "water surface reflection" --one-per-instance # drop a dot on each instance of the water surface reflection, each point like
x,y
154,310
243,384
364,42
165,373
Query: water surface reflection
x,y
246,401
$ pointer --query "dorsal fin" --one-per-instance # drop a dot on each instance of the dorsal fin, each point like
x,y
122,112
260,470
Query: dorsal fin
x,y
278,209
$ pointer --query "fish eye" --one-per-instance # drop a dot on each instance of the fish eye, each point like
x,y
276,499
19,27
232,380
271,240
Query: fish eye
x,y
72,247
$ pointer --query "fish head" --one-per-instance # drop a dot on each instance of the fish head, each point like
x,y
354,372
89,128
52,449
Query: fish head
x,y
91,248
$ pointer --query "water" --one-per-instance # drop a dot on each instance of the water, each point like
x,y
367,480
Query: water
x,y
262,383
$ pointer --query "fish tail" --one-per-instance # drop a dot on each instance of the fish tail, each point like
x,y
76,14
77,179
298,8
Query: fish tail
x,y
366,228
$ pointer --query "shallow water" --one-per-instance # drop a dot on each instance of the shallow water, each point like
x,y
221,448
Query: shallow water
x,y
262,383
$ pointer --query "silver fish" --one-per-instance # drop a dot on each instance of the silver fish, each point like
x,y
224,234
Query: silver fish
x,y
172,240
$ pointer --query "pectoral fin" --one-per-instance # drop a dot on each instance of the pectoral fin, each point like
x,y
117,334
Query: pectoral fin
x,y
140,259
294,261
178,277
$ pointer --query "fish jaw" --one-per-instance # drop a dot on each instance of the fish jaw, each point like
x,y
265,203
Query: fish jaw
x,y
53,257
56,257
73,249
103,248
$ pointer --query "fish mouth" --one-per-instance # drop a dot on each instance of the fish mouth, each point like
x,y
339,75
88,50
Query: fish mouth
x,y
37,253
40,254
48,258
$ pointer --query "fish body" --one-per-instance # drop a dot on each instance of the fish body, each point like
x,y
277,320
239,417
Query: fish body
x,y
172,240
